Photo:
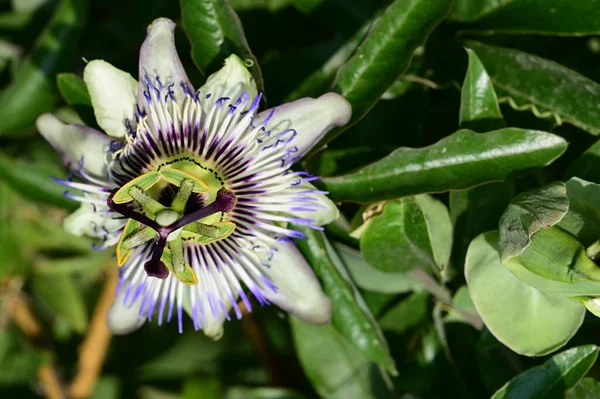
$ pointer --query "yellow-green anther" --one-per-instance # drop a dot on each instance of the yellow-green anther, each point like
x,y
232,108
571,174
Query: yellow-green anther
x,y
144,235
148,203
185,190
203,229
176,248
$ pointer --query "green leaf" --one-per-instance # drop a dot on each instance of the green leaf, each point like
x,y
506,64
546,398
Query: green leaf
x,y
583,218
587,388
33,181
528,321
560,260
407,314
73,89
107,387
398,239
461,160
334,366
439,228
542,86
18,360
216,32
529,212
62,295
561,17
479,108
587,165
205,388
32,91
371,279
351,316
553,378
262,393
386,52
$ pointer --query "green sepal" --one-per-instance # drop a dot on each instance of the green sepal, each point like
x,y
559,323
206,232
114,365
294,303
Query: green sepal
x,y
186,276
176,177
224,230
123,252
203,229
144,182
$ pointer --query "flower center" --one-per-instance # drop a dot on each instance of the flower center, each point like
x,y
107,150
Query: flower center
x,y
149,220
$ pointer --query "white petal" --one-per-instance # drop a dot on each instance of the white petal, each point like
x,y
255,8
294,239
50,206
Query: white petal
x,y
214,324
311,118
158,57
230,81
86,221
122,320
298,290
76,144
113,94
325,210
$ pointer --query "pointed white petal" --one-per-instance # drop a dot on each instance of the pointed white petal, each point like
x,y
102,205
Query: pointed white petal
x,y
123,320
158,57
214,324
76,144
298,290
311,118
86,221
325,210
230,81
113,94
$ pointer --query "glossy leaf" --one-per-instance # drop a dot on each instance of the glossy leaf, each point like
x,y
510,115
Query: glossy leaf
x,y
583,218
216,32
461,160
553,378
561,17
479,108
398,239
529,212
528,321
386,52
542,86
32,91
334,366
350,317
73,89
371,279
587,388
439,228
62,295
587,165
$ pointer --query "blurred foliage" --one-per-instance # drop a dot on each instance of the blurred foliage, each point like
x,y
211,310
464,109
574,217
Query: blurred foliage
x,y
464,114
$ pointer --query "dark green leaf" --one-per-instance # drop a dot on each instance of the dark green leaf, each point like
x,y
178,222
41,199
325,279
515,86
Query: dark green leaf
x,y
398,240
461,160
386,52
62,295
528,321
334,366
587,165
351,316
32,92
216,32
73,89
529,212
553,378
479,108
561,17
547,89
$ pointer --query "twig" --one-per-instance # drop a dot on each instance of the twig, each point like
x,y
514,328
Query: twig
x,y
92,351
33,330
261,344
